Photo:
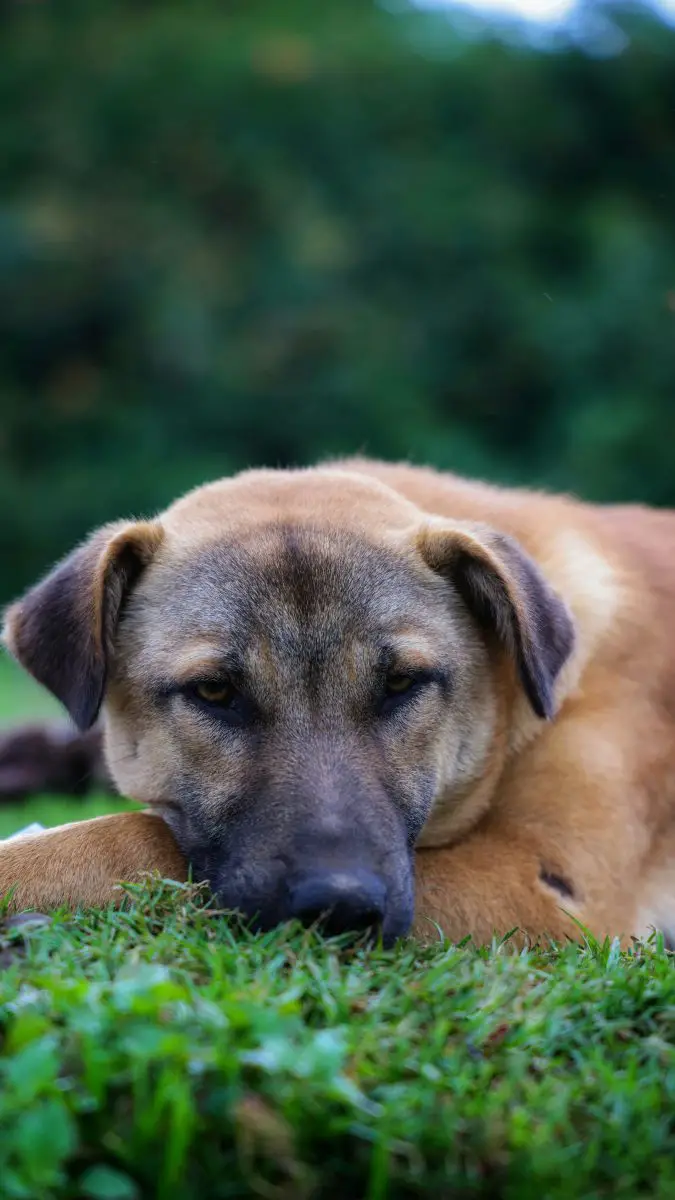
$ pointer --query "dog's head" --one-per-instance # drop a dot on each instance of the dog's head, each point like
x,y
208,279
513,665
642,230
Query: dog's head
x,y
295,668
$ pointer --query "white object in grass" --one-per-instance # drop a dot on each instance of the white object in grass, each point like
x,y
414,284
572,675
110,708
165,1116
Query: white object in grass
x,y
36,827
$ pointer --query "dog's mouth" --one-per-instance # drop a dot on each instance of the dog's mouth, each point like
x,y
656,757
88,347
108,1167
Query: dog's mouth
x,y
351,902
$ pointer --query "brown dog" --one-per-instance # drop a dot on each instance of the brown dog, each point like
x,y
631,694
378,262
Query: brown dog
x,y
320,679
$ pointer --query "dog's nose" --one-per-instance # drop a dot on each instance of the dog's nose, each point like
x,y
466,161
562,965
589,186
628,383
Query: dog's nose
x,y
340,901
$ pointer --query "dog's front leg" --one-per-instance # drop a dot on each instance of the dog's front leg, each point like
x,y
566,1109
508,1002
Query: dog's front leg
x,y
82,863
489,885
569,834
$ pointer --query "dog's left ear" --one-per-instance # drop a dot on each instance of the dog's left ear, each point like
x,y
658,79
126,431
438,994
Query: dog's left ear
x,y
507,593
63,630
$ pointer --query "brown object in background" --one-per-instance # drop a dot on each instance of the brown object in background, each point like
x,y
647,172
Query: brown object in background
x,y
51,758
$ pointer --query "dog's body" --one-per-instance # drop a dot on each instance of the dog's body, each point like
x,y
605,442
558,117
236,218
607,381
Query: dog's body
x,y
520,737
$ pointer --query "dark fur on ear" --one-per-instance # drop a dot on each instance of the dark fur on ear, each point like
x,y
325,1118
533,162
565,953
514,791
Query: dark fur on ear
x,y
507,594
62,631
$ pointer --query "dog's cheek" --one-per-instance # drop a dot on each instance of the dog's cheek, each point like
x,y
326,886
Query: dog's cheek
x,y
142,757
412,796
412,758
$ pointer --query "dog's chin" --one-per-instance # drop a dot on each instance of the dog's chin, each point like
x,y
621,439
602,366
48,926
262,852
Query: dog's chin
x,y
395,925
259,915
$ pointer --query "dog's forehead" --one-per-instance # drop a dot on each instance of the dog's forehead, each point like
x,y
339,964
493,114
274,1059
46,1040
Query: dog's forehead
x,y
337,497
299,589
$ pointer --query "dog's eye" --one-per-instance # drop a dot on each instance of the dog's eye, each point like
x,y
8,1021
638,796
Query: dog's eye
x,y
398,685
220,695
398,689
401,688
221,700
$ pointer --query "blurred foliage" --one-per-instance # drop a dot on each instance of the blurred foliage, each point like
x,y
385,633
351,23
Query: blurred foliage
x,y
246,232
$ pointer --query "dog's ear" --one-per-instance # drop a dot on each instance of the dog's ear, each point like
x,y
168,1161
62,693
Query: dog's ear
x,y
63,630
507,593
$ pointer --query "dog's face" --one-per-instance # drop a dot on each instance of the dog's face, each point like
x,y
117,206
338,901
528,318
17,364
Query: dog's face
x,y
296,667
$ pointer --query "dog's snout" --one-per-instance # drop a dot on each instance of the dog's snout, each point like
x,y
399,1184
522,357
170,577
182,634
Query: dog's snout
x,y
340,901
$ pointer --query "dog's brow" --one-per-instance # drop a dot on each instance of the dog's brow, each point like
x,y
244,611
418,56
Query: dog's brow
x,y
200,661
410,648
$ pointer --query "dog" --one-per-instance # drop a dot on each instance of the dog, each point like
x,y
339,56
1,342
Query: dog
x,y
373,696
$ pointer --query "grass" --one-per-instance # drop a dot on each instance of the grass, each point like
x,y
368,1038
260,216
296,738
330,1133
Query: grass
x,y
160,1051
21,699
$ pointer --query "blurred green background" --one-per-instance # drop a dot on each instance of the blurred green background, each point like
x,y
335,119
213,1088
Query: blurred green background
x,y
267,232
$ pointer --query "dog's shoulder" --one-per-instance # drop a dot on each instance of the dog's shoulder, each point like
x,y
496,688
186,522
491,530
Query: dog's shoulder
x,y
444,493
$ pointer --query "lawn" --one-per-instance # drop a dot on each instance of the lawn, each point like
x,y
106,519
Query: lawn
x,y
159,1051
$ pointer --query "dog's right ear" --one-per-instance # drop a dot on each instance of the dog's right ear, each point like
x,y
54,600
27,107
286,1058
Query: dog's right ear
x,y
63,630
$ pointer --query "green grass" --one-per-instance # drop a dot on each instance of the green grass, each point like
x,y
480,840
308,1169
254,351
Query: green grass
x,y
21,699
160,1051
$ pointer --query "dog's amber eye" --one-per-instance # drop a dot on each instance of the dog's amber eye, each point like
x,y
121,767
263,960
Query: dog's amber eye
x,y
397,685
215,693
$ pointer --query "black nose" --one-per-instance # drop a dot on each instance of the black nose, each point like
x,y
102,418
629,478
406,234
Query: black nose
x,y
340,901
